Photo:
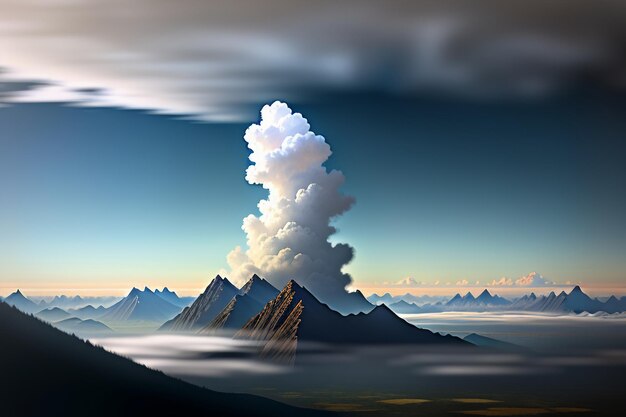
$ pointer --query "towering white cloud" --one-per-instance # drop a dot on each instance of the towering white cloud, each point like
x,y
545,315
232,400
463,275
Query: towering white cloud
x,y
289,240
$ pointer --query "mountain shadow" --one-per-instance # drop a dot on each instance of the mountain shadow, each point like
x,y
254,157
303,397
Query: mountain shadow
x,y
47,372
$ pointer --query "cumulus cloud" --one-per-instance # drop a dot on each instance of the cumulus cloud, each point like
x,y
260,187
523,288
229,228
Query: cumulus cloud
x,y
462,283
504,281
408,282
216,60
289,240
533,279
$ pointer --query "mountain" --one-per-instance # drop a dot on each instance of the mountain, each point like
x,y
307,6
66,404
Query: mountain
x,y
18,300
574,302
487,299
577,301
386,298
53,373
408,297
205,308
250,301
52,314
88,312
295,314
259,289
82,327
402,307
235,315
66,302
63,301
615,305
140,306
347,302
459,301
173,298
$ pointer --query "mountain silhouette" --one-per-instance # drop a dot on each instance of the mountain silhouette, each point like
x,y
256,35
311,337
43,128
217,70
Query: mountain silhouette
x,y
18,300
251,299
82,328
295,314
89,381
140,306
53,314
173,298
346,302
205,308
402,307
88,312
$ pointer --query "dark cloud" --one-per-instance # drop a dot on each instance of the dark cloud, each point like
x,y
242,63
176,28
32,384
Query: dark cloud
x,y
219,61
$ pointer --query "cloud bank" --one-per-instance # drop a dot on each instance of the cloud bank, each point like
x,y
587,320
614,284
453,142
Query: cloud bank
x,y
289,240
217,60
533,279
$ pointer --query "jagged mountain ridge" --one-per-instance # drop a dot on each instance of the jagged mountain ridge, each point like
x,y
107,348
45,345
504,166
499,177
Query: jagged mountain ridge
x,y
88,312
295,314
173,298
402,307
140,306
251,299
574,302
205,308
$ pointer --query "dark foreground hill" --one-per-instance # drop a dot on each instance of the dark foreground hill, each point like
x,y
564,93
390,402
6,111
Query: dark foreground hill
x,y
47,372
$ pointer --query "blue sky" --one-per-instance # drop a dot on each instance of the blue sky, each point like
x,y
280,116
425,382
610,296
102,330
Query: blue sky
x,y
101,199
480,140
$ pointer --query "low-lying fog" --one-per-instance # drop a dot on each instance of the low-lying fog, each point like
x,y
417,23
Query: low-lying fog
x,y
564,363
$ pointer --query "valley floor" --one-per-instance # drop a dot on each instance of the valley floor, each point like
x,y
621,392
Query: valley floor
x,y
562,365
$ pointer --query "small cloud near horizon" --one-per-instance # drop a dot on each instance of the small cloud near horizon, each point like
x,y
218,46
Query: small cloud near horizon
x,y
532,280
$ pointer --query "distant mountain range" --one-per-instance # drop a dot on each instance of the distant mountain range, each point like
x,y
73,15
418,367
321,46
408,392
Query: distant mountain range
x,y
143,305
66,302
574,302
418,300
224,306
49,372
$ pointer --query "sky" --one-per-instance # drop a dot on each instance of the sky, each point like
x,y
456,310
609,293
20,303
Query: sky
x,y
474,150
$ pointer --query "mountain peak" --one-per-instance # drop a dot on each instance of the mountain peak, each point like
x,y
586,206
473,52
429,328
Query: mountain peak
x,y
18,292
134,292
382,309
485,293
576,289
468,296
146,289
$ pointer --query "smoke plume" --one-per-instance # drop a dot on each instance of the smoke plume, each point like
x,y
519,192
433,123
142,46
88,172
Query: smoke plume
x,y
289,240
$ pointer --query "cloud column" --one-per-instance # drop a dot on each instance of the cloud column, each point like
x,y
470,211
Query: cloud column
x,y
289,240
